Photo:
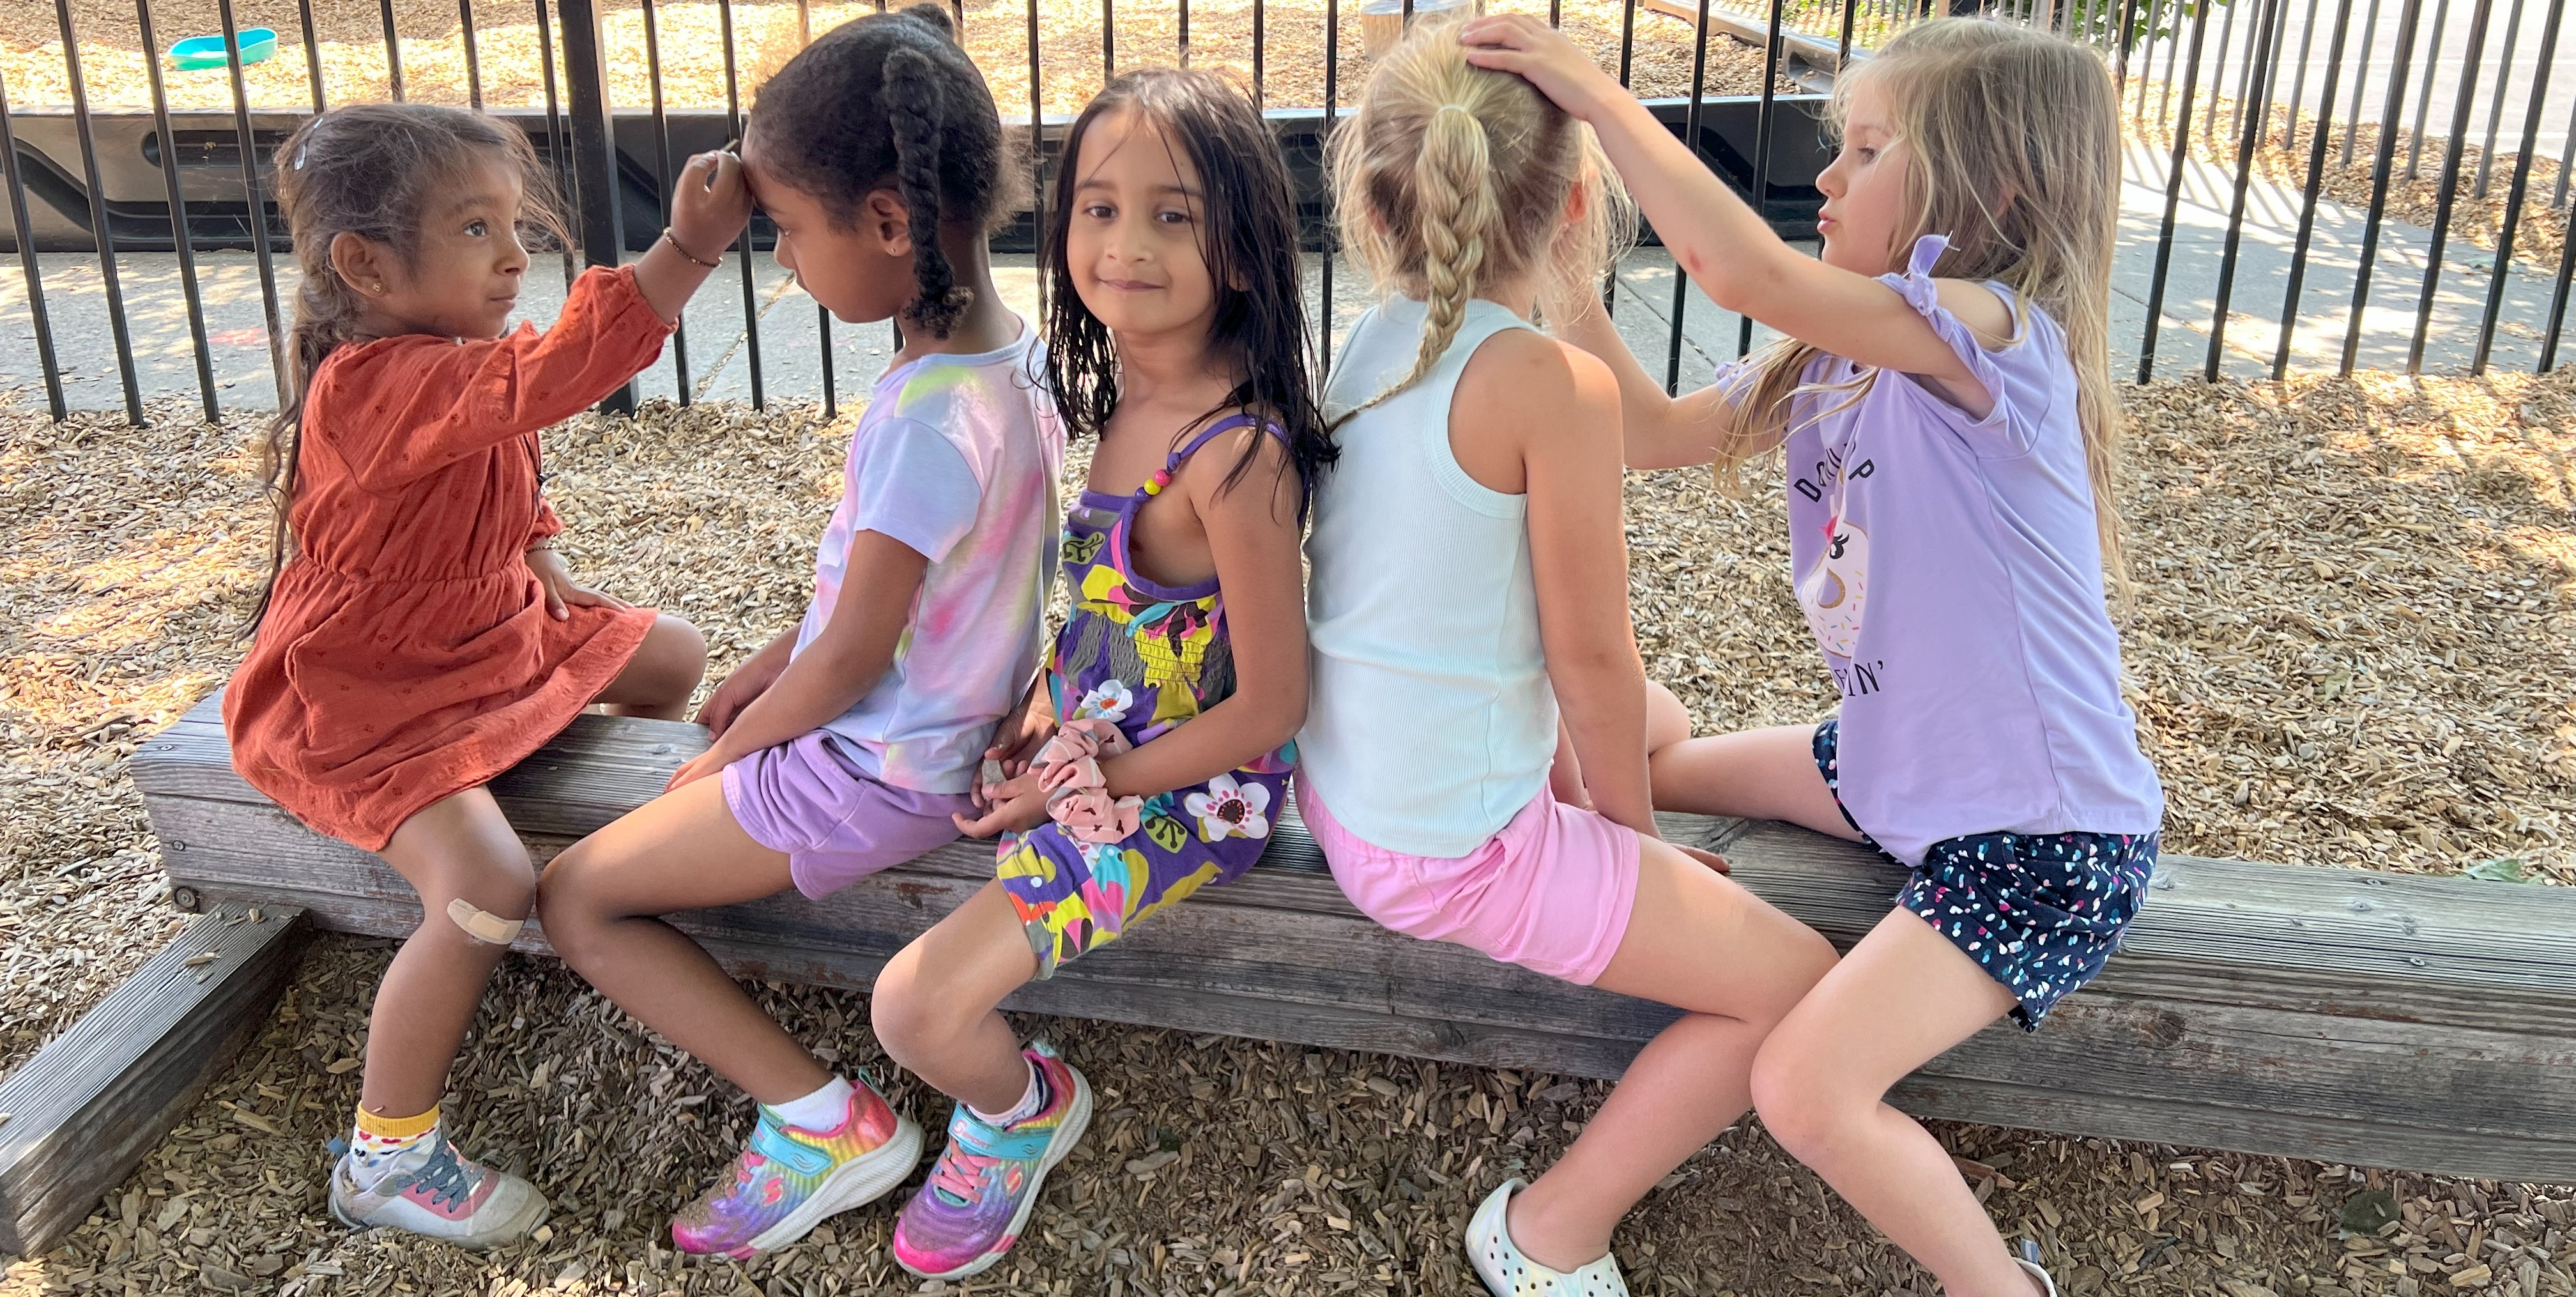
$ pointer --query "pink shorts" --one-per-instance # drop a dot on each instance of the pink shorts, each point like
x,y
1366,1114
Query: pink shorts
x,y
1551,892
834,822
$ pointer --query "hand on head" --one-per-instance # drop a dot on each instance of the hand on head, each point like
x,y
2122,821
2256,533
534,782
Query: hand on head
x,y
710,205
1526,47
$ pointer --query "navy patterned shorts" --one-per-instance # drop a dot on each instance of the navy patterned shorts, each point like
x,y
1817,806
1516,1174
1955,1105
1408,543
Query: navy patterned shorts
x,y
2039,912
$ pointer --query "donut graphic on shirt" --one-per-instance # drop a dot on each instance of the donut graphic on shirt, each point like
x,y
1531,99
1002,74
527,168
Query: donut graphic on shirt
x,y
1833,592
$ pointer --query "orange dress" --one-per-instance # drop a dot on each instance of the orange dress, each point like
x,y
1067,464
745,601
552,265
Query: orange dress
x,y
407,654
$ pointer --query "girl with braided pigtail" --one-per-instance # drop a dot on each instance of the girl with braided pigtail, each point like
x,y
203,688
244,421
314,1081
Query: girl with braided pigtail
x,y
1469,588
852,741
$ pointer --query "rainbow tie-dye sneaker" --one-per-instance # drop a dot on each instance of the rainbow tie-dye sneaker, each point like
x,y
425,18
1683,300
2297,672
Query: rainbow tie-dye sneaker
x,y
978,1197
789,1179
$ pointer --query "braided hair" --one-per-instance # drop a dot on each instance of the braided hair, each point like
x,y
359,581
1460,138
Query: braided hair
x,y
367,170
1450,179
891,101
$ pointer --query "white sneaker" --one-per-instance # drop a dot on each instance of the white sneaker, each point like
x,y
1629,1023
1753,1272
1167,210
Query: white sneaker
x,y
443,1196
2029,1262
1498,1261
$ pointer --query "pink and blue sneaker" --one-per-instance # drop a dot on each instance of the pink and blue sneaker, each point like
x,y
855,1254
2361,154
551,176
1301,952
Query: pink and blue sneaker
x,y
434,1191
978,1197
789,1179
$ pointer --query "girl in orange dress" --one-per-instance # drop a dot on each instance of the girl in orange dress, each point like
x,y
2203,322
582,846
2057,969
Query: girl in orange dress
x,y
424,636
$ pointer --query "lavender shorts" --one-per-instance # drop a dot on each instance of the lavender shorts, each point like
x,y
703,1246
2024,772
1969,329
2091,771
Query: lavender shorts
x,y
834,822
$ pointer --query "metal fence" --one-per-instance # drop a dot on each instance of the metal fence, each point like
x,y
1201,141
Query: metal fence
x,y
188,181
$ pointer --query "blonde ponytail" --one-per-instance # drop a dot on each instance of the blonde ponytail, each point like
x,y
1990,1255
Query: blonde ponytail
x,y
1451,180
1454,177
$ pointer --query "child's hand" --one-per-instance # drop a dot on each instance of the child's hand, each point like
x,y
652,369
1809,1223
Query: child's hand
x,y
1527,47
738,691
562,592
710,204
712,761
1011,806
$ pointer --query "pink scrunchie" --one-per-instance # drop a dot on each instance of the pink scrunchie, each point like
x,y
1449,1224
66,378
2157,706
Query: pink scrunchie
x,y
1068,767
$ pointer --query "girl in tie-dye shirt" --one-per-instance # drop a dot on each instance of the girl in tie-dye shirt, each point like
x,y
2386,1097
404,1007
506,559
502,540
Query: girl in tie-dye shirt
x,y
849,743
1156,761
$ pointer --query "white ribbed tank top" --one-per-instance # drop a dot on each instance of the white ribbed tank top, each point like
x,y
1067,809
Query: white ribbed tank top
x,y
1430,721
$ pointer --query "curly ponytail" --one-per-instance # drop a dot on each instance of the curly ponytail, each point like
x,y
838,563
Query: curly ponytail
x,y
890,101
911,95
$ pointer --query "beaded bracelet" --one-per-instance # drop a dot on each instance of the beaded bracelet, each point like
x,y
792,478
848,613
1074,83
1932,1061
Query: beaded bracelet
x,y
685,254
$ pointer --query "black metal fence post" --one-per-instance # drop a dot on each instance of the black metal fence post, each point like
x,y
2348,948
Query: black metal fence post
x,y
98,222
182,238
393,51
255,218
2520,189
24,230
2318,142
2173,193
594,152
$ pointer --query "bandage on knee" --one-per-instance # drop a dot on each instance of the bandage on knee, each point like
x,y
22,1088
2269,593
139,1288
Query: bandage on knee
x,y
490,929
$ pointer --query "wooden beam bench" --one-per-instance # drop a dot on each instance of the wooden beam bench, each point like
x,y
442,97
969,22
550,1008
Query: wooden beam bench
x,y
2374,1019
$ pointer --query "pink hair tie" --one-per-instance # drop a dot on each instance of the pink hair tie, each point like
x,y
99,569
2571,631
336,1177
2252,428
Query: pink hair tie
x,y
1068,767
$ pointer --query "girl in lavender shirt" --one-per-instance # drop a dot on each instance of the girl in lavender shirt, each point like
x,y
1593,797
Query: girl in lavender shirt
x,y
1944,401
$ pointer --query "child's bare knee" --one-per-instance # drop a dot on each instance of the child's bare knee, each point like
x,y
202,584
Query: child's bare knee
x,y
568,903
674,655
1803,1098
488,899
1784,1094
906,1012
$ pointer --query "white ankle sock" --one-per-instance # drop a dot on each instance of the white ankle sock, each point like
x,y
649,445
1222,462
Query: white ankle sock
x,y
822,1110
1032,1102
392,1145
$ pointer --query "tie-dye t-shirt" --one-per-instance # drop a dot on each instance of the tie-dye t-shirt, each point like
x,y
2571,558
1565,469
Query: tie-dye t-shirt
x,y
956,457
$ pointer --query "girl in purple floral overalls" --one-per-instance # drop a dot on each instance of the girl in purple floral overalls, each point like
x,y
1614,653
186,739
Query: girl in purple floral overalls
x,y
1155,760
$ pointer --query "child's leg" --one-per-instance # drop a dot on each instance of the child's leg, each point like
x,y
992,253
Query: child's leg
x,y
1697,941
458,848
1765,774
1019,1111
1901,997
602,901
822,1144
663,673
934,1003
1667,721
400,1171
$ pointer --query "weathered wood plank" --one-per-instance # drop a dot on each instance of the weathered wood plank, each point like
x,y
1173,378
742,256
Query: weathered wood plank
x,y
2329,941
87,1107
2109,1064
2367,1018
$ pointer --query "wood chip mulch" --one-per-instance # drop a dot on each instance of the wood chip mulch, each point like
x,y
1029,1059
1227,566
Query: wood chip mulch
x,y
350,34
2350,643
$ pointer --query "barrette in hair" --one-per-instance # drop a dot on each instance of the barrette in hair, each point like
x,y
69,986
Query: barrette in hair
x,y
300,151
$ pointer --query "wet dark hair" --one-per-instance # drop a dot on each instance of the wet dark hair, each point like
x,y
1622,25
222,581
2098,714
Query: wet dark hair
x,y
1249,238
890,100
368,170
